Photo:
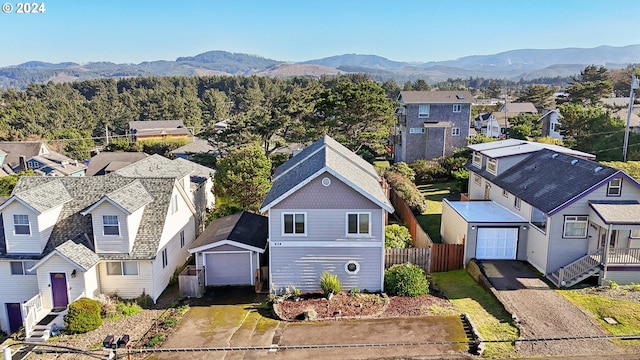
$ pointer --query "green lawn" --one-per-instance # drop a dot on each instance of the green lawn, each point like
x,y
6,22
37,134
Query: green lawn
x,y
492,320
627,313
434,193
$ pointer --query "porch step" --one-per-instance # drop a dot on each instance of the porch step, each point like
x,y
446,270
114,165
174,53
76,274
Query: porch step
x,y
555,278
40,335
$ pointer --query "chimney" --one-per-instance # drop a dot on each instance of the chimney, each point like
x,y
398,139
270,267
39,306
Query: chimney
x,y
23,163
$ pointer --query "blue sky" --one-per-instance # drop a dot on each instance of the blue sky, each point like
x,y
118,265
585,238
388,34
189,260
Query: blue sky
x,y
420,30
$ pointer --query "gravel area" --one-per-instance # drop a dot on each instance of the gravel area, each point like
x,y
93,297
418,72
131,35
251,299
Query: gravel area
x,y
543,313
135,326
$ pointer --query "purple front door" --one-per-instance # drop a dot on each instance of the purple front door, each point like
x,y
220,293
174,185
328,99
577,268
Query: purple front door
x,y
59,290
14,314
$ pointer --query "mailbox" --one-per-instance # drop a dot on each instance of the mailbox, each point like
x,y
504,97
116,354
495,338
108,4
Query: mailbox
x,y
108,342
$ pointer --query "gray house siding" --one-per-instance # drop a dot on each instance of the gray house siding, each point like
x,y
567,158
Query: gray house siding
x,y
437,139
302,267
335,196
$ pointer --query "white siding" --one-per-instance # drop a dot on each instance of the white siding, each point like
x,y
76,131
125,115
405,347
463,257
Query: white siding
x,y
133,224
110,243
182,219
91,283
56,264
454,229
21,244
127,286
10,293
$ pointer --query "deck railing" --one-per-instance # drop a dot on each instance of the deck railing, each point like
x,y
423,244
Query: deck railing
x,y
30,310
580,266
623,256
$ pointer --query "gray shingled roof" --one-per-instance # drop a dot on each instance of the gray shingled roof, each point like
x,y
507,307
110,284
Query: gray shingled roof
x,y
86,191
79,254
328,154
244,228
131,197
520,107
196,146
436,97
45,197
547,179
99,164
153,166
617,212
15,149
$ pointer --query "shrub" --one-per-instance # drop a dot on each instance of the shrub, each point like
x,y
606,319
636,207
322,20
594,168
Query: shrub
x,y
462,180
354,291
128,308
145,301
397,237
408,191
107,304
157,339
405,280
404,169
329,283
83,316
428,171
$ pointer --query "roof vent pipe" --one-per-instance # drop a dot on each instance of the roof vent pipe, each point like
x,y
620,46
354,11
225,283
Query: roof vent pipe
x,y
574,161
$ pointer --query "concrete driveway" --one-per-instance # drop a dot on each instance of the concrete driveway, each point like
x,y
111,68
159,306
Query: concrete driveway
x,y
543,313
231,317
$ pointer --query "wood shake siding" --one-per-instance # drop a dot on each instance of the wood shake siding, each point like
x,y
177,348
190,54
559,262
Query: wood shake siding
x,y
302,267
335,196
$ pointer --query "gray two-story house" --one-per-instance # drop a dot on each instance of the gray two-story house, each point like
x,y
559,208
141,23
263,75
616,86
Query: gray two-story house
x,y
327,212
431,124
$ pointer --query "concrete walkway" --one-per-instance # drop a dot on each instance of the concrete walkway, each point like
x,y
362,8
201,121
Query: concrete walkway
x,y
543,313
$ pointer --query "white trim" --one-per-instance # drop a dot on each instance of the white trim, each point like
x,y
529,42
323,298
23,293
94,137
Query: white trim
x,y
103,199
66,281
28,224
346,267
495,166
106,264
294,233
15,198
56,252
203,248
327,244
459,106
357,234
204,263
424,115
299,162
111,225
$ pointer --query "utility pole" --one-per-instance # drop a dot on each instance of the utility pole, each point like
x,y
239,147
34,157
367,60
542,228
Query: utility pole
x,y
634,87
106,131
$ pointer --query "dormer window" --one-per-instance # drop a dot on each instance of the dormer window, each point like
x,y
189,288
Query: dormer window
x,y
492,166
477,159
21,224
110,225
423,110
615,187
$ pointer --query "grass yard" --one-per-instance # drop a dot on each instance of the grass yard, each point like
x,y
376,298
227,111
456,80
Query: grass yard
x,y
627,313
434,193
492,320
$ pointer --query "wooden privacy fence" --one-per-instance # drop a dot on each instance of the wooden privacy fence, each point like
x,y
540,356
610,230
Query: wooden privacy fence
x,y
447,257
417,256
420,238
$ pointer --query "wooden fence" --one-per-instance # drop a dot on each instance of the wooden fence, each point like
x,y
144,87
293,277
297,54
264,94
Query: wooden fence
x,y
420,238
417,256
446,257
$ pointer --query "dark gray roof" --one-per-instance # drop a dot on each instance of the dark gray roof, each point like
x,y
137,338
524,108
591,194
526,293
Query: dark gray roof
x,y
15,149
548,179
44,197
196,146
79,254
244,228
326,153
105,162
86,191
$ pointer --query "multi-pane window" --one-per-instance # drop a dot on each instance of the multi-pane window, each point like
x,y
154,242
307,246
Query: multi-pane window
x,y
122,268
358,224
423,110
492,166
22,267
477,179
416,130
457,108
575,226
615,187
538,219
294,223
110,225
477,159
517,203
455,131
21,225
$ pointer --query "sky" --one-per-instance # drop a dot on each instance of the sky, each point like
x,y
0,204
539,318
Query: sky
x,y
132,31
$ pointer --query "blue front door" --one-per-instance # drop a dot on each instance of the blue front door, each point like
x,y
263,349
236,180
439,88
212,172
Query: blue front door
x,y
59,290
14,314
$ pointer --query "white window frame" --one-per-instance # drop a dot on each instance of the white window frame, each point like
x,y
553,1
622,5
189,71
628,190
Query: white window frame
x,y
617,188
181,239
293,230
570,221
477,179
174,204
455,131
18,220
538,224
421,112
476,159
24,266
635,233
492,166
165,258
416,130
358,230
457,108
517,202
352,262
123,270
110,225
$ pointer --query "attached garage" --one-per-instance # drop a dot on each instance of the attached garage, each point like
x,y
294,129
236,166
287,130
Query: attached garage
x,y
229,268
496,243
231,249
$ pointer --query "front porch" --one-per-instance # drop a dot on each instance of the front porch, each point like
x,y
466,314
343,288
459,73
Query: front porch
x,y
41,322
605,261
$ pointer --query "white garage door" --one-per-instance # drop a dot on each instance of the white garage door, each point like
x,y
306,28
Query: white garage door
x,y
228,268
497,243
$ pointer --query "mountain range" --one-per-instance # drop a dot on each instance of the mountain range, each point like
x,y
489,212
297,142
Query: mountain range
x,y
513,65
